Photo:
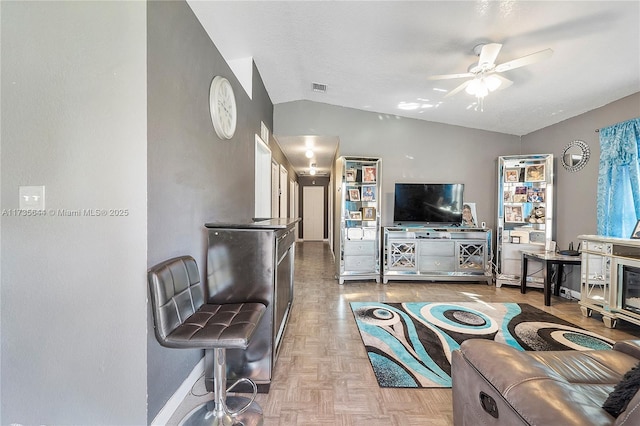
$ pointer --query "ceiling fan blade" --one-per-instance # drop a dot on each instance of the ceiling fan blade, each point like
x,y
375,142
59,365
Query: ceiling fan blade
x,y
449,76
489,53
525,60
505,81
458,89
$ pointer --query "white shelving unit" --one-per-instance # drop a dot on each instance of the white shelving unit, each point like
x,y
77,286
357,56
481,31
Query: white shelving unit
x,y
358,218
525,189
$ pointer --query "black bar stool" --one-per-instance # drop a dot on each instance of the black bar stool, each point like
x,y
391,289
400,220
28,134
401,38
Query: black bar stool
x,y
183,320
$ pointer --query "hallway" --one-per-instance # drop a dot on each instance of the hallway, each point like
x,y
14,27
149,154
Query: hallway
x,y
323,376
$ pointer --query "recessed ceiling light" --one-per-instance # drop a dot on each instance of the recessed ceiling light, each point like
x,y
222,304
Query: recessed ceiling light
x,y
308,154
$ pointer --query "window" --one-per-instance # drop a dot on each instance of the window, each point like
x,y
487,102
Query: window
x,y
618,204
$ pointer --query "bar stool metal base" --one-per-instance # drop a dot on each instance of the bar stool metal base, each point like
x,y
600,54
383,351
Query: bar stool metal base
x,y
225,410
202,416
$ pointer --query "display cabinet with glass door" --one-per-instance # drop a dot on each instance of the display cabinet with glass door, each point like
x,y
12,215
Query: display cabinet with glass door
x,y
358,218
525,219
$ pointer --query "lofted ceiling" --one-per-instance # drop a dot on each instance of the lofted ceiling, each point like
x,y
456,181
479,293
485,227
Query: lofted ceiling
x,y
377,56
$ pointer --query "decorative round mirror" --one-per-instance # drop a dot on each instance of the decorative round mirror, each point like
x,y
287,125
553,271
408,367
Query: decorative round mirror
x,y
575,155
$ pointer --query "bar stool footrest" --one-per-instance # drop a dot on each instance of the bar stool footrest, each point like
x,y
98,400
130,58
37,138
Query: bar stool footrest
x,y
202,416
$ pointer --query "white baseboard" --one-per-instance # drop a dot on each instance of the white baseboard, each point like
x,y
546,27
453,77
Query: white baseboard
x,y
179,395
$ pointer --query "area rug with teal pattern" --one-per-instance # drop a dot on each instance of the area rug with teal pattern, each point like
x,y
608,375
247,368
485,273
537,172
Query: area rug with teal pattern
x,y
409,344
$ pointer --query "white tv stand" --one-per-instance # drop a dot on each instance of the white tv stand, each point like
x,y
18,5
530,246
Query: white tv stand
x,y
436,254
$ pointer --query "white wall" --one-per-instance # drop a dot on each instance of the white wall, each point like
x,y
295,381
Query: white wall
x,y
73,315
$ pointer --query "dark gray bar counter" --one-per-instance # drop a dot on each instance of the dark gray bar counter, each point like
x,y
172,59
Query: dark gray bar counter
x,y
253,261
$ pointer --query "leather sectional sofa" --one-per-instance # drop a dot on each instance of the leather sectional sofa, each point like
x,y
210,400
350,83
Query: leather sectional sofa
x,y
495,384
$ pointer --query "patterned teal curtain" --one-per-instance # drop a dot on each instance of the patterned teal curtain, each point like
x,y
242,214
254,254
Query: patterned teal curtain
x,y
618,203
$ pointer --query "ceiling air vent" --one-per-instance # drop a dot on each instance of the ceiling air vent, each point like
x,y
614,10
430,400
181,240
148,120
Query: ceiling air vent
x,y
317,87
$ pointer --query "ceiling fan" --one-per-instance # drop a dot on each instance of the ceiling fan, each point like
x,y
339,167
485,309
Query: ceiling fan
x,y
485,74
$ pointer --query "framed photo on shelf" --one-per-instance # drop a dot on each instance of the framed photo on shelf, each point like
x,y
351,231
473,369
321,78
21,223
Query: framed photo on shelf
x,y
535,195
534,173
356,215
354,194
369,174
507,195
368,213
513,214
368,193
520,194
636,232
512,175
469,217
351,175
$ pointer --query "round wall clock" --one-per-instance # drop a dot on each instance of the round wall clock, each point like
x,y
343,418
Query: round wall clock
x,y
222,104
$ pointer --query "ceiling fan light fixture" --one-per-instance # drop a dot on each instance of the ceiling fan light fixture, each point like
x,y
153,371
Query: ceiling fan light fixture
x,y
481,86
492,82
478,88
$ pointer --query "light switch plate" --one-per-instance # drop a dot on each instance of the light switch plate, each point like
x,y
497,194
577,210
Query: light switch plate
x,y
31,197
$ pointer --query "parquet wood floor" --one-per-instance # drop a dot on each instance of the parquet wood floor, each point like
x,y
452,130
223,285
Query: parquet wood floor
x,y
323,376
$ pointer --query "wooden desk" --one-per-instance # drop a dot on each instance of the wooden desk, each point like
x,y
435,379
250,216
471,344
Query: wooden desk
x,y
547,259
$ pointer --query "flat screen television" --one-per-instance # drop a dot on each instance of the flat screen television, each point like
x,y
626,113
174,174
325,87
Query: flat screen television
x,y
428,203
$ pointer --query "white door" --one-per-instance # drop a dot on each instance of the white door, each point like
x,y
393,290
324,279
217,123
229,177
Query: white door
x,y
284,179
262,179
313,213
292,189
296,207
275,189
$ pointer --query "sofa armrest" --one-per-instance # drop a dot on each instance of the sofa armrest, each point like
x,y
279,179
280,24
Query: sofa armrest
x,y
533,386
629,347
503,366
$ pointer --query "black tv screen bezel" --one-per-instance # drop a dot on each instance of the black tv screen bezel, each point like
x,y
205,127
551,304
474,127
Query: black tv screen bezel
x,y
455,221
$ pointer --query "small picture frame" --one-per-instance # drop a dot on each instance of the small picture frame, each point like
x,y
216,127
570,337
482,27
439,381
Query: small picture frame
x,y
519,194
512,175
534,173
354,194
350,175
535,195
636,232
513,214
368,213
368,193
369,174
355,215
515,240
469,216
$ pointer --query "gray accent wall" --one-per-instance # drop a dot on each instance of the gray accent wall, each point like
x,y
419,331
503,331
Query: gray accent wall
x,y
575,201
106,104
576,192
423,151
193,176
73,315
411,150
